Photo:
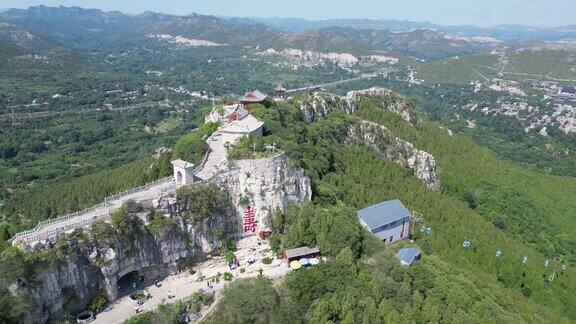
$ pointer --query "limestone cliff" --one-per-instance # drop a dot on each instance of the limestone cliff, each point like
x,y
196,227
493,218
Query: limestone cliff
x,y
265,185
422,164
320,105
68,274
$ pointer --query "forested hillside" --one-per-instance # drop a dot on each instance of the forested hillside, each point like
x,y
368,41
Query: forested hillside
x,y
93,103
447,284
504,135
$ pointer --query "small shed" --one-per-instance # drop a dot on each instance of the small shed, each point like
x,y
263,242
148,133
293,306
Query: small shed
x,y
301,252
407,256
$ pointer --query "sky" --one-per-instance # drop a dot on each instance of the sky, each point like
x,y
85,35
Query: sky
x,y
483,13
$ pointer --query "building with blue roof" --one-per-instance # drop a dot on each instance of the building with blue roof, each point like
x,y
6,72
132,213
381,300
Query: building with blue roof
x,y
389,220
407,256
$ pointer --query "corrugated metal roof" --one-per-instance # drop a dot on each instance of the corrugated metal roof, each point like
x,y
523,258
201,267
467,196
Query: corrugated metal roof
x,y
408,255
301,251
568,90
383,213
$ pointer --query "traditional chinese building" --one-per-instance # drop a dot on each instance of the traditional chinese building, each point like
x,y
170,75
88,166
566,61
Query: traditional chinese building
x,y
279,93
225,114
253,97
183,172
248,125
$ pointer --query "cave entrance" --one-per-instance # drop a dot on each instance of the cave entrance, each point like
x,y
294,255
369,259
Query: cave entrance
x,y
129,283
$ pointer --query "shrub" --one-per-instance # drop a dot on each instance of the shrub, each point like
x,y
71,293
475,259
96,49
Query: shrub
x,y
99,301
267,260
160,224
202,201
244,201
201,297
229,257
195,308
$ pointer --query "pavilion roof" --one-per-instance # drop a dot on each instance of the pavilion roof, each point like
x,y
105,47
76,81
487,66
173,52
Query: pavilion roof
x,y
246,125
254,96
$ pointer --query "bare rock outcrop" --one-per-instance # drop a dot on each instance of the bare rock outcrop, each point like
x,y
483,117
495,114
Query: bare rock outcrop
x,y
422,164
75,268
266,184
81,265
322,104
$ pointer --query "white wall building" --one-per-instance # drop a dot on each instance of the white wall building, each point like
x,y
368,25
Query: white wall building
x,y
389,220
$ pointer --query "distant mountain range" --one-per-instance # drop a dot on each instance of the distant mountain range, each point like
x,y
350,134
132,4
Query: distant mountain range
x,y
503,32
40,27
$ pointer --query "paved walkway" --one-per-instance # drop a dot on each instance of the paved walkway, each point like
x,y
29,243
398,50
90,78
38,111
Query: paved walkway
x,y
184,284
57,226
217,160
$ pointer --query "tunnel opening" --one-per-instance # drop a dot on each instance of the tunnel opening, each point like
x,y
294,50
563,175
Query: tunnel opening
x,y
130,282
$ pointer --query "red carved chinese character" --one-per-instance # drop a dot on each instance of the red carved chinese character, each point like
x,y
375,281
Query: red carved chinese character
x,y
250,222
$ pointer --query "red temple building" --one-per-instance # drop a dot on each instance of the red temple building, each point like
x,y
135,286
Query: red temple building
x,y
253,97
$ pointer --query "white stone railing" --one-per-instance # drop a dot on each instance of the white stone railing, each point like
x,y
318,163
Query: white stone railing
x,y
29,234
62,229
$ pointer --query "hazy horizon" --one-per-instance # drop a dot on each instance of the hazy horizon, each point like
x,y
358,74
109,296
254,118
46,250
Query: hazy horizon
x,y
487,13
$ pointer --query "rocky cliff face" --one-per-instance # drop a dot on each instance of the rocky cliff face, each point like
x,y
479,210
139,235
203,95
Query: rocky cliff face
x,y
379,138
84,263
79,266
422,164
264,185
322,104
